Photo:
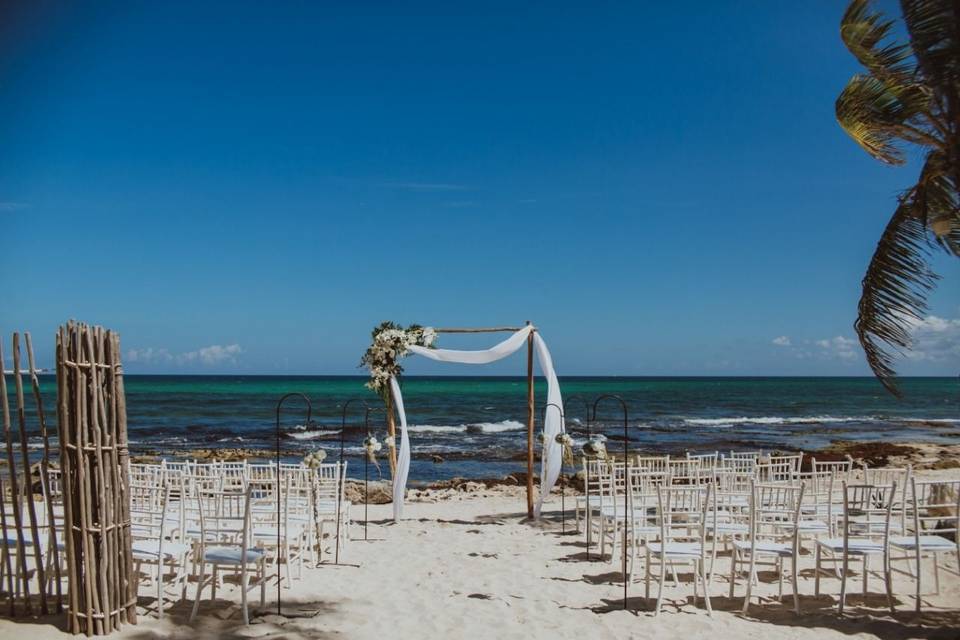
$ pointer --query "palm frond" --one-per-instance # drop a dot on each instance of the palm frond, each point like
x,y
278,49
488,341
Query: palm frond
x,y
934,28
895,288
877,115
866,32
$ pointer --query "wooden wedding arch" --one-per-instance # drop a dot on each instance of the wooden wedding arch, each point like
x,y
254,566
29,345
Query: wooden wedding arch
x,y
391,419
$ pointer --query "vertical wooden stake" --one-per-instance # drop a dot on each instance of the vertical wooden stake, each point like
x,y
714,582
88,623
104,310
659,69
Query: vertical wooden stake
x,y
14,490
530,418
27,480
392,432
45,471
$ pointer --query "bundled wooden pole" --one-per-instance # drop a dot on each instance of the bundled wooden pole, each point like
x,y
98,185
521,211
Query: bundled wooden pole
x,y
27,489
53,548
94,455
14,487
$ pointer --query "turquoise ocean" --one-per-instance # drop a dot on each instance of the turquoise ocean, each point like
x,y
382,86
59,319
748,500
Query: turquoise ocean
x,y
477,425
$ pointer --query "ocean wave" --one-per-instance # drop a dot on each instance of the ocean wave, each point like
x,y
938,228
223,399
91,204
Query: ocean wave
x,y
313,435
496,427
435,428
773,420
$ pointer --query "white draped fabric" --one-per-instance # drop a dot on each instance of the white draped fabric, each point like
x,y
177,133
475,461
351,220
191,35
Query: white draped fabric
x,y
551,460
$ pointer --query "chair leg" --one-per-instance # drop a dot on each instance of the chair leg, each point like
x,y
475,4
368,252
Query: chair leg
x,y
888,579
746,597
706,588
936,572
843,583
918,605
816,571
213,589
196,600
646,592
733,570
866,574
793,583
243,594
663,577
780,578
160,587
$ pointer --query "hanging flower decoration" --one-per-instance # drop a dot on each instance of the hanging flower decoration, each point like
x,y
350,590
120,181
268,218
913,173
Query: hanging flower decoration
x,y
314,459
565,441
596,447
390,343
390,441
371,445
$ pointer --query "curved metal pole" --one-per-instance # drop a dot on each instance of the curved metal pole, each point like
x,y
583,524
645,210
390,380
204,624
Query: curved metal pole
x,y
626,475
588,509
307,423
563,429
366,470
340,473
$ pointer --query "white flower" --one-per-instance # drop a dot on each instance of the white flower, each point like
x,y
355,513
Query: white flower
x,y
429,336
389,441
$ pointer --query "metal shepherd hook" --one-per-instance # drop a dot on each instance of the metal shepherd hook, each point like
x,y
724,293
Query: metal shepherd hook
x,y
626,476
366,469
563,429
586,482
307,423
341,472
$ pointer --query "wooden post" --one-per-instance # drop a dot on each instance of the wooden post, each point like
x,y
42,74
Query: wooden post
x,y
530,421
392,432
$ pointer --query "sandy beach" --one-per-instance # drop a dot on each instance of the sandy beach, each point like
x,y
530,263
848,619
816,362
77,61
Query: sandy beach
x,y
465,563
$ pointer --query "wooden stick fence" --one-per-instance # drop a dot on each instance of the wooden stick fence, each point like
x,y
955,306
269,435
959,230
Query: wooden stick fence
x,y
28,534
92,419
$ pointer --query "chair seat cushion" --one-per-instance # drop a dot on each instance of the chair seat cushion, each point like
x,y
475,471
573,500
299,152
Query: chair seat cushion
x,y
676,549
728,527
765,547
929,543
857,546
150,549
230,555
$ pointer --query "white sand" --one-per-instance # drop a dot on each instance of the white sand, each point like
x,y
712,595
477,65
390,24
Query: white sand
x,y
470,567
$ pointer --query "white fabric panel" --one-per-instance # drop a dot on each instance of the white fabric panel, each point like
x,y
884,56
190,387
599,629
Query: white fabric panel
x,y
551,461
487,356
403,457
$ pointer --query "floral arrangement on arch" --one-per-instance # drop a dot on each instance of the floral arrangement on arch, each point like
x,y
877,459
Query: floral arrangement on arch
x,y
390,343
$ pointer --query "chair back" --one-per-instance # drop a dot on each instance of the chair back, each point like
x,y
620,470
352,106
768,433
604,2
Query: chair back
x,y
935,506
654,464
682,512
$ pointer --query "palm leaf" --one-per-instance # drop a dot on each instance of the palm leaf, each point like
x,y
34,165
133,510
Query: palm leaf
x,y
895,288
865,33
877,115
934,28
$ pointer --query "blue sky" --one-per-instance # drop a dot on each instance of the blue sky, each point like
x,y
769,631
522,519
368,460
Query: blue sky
x,y
662,190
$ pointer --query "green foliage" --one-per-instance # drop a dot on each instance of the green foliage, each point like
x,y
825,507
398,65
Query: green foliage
x,y
909,98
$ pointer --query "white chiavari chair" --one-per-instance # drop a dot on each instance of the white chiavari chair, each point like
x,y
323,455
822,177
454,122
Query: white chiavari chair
x,y
865,533
153,544
682,511
773,534
225,542
934,507
589,504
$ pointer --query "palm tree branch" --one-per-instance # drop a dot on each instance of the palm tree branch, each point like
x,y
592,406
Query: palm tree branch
x,y
895,288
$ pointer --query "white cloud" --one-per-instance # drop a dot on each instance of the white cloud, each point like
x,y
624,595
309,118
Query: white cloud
x,y
782,341
839,347
214,354
935,339
13,206
211,355
149,355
